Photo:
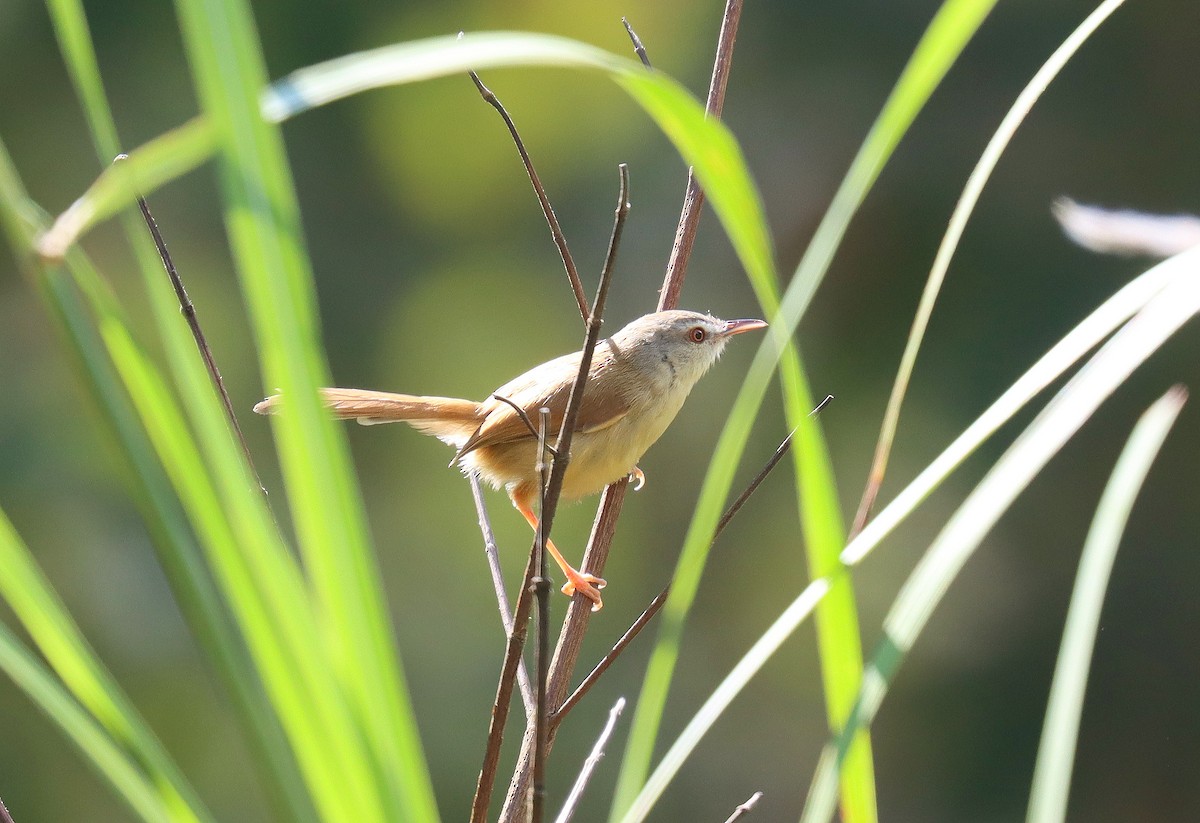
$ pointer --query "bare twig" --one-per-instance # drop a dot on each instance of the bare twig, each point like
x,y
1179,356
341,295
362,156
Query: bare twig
x,y
550,505
542,590
745,808
493,558
560,241
693,200
508,671
524,419
5,817
633,631
638,48
570,640
188,310
775,458
589,765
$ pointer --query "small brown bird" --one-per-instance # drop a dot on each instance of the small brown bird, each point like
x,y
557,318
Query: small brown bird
x,y
637,383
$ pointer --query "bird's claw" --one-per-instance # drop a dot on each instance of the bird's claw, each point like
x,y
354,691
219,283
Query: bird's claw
x,y
588,585
638,477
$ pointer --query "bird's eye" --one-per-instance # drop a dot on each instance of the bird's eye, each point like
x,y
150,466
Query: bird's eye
x,y
697,335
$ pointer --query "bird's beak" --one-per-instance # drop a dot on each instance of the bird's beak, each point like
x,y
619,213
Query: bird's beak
x,y
738,326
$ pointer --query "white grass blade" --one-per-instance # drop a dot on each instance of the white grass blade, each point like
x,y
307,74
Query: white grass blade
x,y
1056,752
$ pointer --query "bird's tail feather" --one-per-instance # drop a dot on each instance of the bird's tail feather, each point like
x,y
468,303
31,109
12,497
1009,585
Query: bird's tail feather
x,y
449,418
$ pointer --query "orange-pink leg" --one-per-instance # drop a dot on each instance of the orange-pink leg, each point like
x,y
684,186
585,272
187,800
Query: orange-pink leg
x,y
577,582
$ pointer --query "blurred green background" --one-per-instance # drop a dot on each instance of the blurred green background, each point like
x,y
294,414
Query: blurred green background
x,y
436,275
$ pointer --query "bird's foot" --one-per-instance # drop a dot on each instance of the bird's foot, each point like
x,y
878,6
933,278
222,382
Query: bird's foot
x,y
586,584
638,477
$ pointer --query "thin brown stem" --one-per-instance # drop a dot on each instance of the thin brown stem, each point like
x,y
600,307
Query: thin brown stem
x,y
632,632
508,671
5,817
549,507
578,615
493,558
524,419
638,48
556,232
745,808
542,591
188,310
758,478
693,200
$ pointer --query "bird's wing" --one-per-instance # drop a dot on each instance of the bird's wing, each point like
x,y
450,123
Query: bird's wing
x,y
602,405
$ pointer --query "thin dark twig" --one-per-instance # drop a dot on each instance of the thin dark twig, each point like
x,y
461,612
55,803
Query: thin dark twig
x,y
745,808
638,48
188,310
633,631
487,775
542,590
493,558
693,199
775,458
589,765
524,419
556,232
508,672
570,639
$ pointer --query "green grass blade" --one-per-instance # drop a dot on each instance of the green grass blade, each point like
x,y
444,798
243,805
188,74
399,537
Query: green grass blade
x,y
705,144
179,554
112,762
253,567
43,615
262,217
1056,751
729,688
1161,317
947,35
962,213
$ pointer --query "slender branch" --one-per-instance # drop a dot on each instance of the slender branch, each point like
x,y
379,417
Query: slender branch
x,y
556,232
575,626
524,419
508,671
188,310
693,200
633,631
493,558
541,586
745,808
5,817
589,765
775,458
553,490
638,48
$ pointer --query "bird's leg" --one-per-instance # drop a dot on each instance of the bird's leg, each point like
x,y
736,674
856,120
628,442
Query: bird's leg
x,y
586,584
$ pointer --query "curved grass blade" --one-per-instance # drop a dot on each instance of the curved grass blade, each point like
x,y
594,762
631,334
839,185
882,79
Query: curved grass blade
x,y
44,617
954,231
1161,317
263,221
112,762
947,35
1056,751
180,557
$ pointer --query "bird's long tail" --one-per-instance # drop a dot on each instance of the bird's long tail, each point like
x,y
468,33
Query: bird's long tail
x,y
448,418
